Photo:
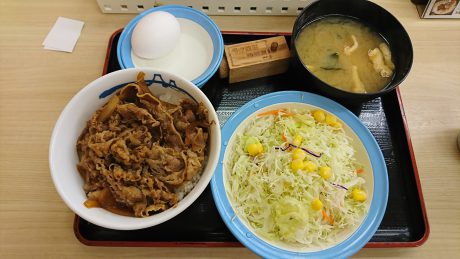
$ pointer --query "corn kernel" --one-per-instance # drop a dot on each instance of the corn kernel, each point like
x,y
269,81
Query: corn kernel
x,y
297,164
297,140
316,204
251,140
337,125
359,195
261,148
330,119
298,154
309,166
319,116
254,149
325,172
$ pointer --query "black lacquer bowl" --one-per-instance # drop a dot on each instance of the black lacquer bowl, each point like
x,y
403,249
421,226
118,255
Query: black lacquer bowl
x,y
371,15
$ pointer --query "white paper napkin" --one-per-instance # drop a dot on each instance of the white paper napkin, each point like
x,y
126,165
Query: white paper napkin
x,y
64,35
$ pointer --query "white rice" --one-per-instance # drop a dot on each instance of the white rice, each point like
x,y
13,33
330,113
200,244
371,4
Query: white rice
x,y
187,186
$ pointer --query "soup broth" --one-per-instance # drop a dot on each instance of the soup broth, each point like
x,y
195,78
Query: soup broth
x,y
346,54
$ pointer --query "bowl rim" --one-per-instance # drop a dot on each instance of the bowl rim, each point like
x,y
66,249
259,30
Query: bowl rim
x,y
390,86
371,221
124,42
137,223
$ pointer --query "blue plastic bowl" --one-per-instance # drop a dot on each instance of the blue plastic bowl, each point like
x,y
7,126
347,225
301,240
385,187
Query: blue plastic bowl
x,y
124,43
341,249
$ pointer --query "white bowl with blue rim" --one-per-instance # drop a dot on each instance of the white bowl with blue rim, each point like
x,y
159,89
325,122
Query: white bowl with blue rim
x,y
197,55
63,156
368,153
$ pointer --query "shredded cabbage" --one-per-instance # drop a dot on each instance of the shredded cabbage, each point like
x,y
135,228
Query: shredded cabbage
x,y
276,201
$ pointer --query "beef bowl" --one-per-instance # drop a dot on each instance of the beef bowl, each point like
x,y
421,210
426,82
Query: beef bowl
x,y
134,148
351,51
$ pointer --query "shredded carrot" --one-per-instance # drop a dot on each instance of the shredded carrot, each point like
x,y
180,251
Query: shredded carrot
x,y
284,138
327,217
359,170
91,204
276,113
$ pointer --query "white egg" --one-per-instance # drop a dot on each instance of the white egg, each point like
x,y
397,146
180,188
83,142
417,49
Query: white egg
x,y
155,35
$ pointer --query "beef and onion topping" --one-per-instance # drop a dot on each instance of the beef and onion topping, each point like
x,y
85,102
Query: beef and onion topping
x,y
139,155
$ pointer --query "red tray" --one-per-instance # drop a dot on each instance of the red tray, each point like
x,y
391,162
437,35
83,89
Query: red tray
x,y
405,223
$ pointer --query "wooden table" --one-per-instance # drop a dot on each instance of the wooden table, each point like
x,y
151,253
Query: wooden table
x,y
36,84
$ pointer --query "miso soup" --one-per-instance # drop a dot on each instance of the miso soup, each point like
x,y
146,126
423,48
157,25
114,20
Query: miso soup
x,y
346,54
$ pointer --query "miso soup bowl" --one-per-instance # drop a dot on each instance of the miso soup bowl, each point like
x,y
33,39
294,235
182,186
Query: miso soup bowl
x,y
370,14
